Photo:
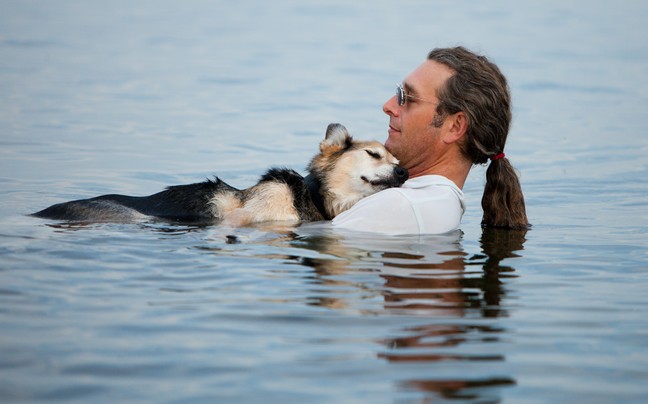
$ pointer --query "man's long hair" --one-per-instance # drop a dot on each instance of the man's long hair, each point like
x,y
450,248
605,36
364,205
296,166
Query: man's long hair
x,y
479,90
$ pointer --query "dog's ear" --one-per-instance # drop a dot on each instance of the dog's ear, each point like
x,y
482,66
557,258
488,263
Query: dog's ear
x,y
337,138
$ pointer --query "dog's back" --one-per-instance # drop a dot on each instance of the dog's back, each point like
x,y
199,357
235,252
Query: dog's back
x,y
187,203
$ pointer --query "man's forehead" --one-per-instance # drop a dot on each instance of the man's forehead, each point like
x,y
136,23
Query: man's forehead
x,y
427,78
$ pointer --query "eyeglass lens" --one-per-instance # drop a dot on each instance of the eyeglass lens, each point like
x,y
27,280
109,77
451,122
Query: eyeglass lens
x,y
400,95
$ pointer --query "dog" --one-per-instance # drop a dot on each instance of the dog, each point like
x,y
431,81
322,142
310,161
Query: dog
x,y
342,173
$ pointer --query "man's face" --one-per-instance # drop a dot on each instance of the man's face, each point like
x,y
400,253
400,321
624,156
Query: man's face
x,y
413,137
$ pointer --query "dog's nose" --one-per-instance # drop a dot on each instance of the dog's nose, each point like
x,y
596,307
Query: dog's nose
x,y
401,173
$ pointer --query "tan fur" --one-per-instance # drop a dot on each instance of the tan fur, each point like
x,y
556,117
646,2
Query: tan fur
x,y
265,202
223,204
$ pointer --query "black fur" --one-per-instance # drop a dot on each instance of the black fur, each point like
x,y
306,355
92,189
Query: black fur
x,y
181,203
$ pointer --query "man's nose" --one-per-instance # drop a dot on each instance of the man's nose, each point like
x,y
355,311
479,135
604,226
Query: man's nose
x,y
391,107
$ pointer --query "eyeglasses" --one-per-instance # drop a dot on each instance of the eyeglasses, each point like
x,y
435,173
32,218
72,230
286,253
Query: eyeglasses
x,y
402,96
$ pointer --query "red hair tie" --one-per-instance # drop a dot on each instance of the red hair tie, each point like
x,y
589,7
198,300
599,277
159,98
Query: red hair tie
x,y
499,156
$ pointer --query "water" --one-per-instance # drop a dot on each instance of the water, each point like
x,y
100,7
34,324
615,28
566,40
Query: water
x,y
116,97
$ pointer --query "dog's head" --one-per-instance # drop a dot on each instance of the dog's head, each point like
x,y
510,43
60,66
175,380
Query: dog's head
x,y
350,170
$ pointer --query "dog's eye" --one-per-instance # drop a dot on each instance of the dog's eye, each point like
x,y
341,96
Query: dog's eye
x,y
373,154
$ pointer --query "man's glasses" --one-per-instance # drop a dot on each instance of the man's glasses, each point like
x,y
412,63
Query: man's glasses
x,y
402,96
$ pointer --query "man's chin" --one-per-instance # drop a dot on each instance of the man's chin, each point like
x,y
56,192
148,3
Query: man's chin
x,y
391,147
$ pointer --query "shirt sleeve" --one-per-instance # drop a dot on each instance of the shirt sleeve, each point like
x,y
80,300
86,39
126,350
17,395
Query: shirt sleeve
x,y
386,212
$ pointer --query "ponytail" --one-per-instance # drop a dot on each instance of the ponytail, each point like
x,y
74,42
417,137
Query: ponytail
x,y
503,202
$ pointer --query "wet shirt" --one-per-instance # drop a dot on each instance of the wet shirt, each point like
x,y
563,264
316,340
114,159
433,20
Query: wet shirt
x,y
430,204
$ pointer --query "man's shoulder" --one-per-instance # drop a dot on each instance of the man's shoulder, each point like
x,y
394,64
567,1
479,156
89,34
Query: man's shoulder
x,y
386,196
429,181
429,205
415,194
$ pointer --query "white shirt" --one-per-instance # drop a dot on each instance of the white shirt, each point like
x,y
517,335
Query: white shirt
x,y
430,204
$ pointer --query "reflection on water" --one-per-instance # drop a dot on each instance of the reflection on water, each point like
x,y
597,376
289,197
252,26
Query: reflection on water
x,y
471,288
430,278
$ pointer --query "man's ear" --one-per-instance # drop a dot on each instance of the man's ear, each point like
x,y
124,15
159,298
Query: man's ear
x,y
457,126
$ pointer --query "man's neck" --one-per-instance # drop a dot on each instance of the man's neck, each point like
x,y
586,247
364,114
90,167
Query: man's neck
x,y
457,172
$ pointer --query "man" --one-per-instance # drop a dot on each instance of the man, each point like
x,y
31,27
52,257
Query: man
x,y
450,113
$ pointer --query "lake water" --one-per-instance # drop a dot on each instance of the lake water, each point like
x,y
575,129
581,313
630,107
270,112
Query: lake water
x,y
119,97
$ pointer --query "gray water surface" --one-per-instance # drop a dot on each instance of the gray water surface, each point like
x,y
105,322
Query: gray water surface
x,y
122,97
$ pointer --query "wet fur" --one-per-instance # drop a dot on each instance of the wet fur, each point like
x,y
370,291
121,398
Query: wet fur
x,y
344,172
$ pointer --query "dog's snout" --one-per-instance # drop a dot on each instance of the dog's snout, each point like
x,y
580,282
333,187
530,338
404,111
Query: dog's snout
x,y
401,173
